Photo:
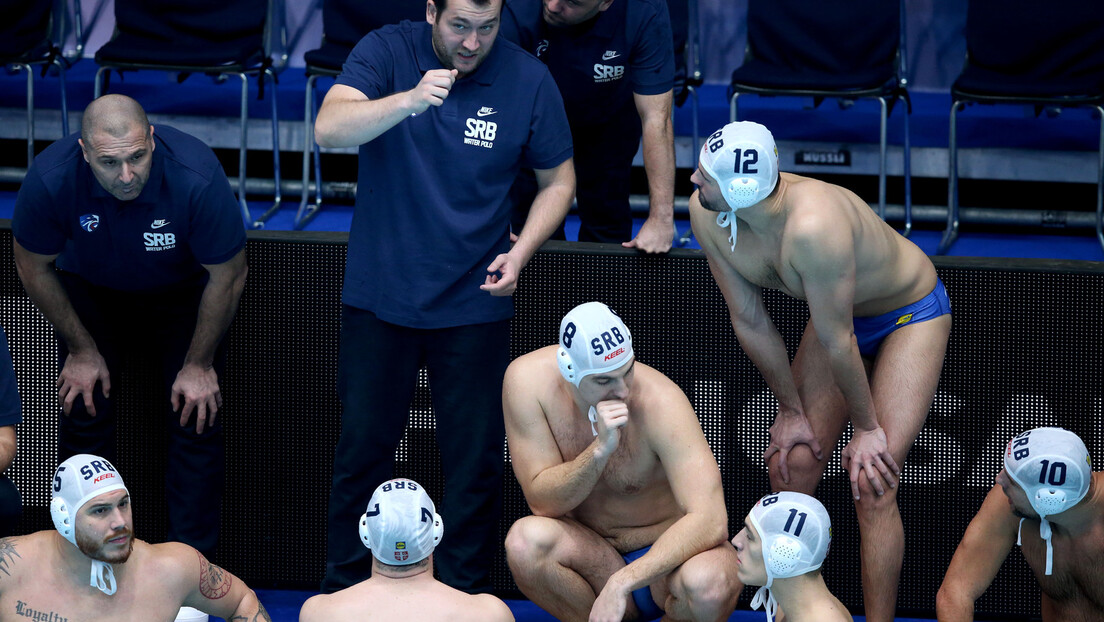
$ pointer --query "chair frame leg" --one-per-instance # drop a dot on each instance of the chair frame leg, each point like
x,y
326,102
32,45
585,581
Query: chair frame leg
x,y
30,110
882,157
1100,181
907,163
277,197
950,234
243,137
307,210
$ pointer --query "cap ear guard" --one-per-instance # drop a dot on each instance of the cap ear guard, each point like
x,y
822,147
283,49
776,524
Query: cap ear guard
x,y
567,365
365,533
438,529
63,520
1050,501
742,192
784,555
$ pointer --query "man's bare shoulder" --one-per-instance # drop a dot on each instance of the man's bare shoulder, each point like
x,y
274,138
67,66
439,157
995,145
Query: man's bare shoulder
x,y
433,602
532,374
20,553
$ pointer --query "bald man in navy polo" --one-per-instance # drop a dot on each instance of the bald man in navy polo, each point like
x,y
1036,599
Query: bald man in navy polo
x,y
149,247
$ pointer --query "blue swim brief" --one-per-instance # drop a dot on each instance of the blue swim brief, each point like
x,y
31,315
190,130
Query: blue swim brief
x,y
643,596
870,331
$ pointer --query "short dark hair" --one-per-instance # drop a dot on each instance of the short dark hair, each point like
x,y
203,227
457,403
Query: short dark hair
x,y
443,4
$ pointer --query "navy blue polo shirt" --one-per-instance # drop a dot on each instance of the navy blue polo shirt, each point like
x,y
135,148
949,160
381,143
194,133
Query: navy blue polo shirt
x,y
598,65
185,216
431,205
11,411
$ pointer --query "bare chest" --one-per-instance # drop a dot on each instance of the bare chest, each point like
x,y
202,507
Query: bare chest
x,y
1077,581
44,599
759,260
632,468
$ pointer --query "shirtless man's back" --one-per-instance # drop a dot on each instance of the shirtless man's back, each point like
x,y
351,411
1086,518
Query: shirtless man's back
x,y
402,528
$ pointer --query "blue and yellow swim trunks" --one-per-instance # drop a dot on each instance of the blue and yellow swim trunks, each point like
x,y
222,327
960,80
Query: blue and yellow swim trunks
x,y
870,331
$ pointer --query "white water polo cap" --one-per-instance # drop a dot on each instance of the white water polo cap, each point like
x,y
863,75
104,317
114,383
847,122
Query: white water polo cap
x,y
401,524
593,340
743,159
1053,467
795,532
76,482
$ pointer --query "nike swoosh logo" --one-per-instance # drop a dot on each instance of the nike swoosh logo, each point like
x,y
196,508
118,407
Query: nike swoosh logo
x,y
158,225
610,55
484,113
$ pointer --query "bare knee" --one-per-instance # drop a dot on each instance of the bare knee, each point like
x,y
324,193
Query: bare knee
x,y
870,503
804,468
708,586
530,541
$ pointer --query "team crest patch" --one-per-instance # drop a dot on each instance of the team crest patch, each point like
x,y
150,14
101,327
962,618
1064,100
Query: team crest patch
x,y
89,222
904,319
401,556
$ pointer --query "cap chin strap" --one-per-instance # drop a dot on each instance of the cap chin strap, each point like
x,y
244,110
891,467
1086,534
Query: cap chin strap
x,y
103,577
764,598
728,219
592,414
1045,532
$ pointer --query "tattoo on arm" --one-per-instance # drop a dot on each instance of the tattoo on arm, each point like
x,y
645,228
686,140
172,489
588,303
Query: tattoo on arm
x,y
262,616
214,582
7,555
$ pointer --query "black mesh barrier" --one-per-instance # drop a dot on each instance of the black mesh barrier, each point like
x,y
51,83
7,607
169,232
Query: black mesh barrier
x,y
1026,350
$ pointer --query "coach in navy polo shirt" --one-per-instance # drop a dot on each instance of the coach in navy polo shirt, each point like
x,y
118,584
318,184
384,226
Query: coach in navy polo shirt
x,y
150,253
614,63
11,413
445,116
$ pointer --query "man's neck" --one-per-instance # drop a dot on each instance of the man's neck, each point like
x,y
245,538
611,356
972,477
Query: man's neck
x,y
802,597
1084,516
379,571
763,215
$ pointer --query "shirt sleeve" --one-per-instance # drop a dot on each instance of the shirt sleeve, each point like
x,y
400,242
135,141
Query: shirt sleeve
x,y
509,28
370,67
216,231
35,223
11,410
549,133
653,59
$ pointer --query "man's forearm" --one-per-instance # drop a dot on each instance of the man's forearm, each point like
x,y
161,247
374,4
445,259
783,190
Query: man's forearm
x,y
345,123
549,209
45,290
562,488
694,533
850,376
250,610
659,165
768,353
216,310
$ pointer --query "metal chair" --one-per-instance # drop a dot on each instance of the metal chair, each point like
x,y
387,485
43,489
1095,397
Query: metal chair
x,y
830,49
219,38
344,24
1017,54
33,35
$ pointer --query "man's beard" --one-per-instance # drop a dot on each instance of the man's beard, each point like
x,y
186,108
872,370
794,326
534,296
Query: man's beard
x,y
95,550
